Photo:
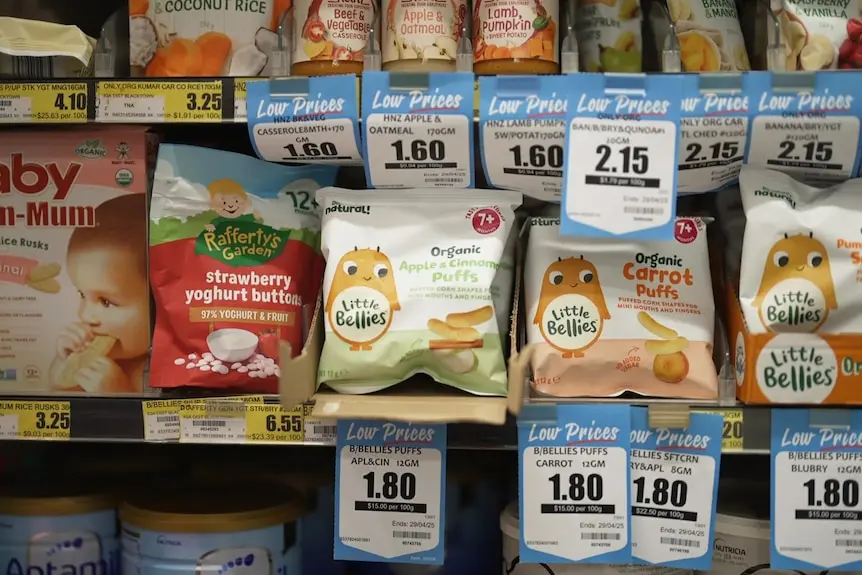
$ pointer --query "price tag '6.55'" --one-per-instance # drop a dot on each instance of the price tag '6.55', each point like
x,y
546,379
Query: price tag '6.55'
x,y
816,505
674,488
620,169
418,137
305,120
574,486
389,489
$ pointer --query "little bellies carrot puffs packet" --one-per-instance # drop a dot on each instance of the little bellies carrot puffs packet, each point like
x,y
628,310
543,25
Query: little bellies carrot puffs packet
x,y
234,257
610,316
416,281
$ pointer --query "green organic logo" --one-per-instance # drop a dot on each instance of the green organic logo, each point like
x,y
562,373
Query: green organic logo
x,y
241,243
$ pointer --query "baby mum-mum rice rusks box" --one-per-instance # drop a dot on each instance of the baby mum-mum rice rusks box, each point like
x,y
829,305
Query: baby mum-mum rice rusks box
x,y
74,296
796,322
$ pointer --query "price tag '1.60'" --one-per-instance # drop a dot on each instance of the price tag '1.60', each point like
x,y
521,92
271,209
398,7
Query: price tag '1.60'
x,y
574,486
418,138
674,487
620,173
389,489
307,120
816,476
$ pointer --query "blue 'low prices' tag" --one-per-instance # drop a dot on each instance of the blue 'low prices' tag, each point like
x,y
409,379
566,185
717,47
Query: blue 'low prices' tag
x,y
807,125
389,488
522,123
574,486
621,156
674,490
305,120
418,129
816,470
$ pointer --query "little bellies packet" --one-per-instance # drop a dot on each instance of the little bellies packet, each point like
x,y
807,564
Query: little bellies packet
x,y
416,281
234,258
610,316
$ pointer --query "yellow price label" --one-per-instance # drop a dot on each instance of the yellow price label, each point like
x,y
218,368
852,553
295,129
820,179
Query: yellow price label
x,y
274,423
118,101
54,103
161,419
732,431
35,420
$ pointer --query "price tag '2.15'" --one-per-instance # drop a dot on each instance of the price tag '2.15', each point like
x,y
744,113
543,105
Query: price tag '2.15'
x,y
620,169
418,137
522,122
389,489
574,486
674,488
306,120
816,506
809,132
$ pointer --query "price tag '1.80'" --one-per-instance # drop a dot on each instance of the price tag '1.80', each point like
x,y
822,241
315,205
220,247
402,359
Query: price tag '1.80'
x,y
620,169
418,138
812,134
816,505
674,488
389,489
574,486
523,127
307,120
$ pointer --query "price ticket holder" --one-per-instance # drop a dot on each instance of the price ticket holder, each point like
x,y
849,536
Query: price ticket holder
x,y
816,518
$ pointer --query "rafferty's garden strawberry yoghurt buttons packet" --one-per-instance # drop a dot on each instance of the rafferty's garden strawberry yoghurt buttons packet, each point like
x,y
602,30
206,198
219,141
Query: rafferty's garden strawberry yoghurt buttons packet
x,y
610,316
417,281
234,258
800,255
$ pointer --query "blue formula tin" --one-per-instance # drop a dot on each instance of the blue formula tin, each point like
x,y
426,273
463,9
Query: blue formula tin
x,y
316,526
240,530
57,531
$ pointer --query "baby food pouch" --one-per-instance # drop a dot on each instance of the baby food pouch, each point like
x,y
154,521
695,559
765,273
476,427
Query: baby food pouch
x,y
411,286
609,35
203,38
234,258
710,38
610,316
74,302
800,255
820,34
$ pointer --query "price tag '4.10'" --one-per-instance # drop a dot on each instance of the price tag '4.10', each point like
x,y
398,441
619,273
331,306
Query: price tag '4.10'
x,y
674,486
574,486
816,505
389,491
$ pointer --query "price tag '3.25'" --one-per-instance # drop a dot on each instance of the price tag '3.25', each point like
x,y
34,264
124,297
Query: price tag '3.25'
x,y
620,173
389,489
574,486
420,138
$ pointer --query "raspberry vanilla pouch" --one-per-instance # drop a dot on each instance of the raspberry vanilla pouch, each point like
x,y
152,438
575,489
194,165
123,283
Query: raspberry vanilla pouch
x,y
800,255
234,258
417,281
611,316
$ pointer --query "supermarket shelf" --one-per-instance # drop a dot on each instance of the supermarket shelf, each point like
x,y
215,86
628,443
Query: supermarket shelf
x,y
122,420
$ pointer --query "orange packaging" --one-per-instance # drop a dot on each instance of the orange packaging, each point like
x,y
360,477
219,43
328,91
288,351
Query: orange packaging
x,y
613,316
329,36
422,35
516,37
184,38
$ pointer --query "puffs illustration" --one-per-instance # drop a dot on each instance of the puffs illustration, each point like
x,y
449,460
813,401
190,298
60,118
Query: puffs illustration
x,y
796,291
362,297
230,202
572,309
670,363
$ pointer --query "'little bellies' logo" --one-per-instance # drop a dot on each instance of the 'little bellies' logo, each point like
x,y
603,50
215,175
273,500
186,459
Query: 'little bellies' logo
x,y
796,368
235,236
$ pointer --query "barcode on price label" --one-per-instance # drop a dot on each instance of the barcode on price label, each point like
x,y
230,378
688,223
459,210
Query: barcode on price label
x,y
639,210
600,536
675,542
848,542
325,429
209,423
411,535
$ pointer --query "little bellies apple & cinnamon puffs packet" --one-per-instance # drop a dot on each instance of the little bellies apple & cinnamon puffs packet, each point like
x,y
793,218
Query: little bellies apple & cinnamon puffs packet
x,y
416,281
611,316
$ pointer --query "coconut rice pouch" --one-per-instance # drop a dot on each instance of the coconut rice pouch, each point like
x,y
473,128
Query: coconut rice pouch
x,y
611,316
234,263
412,285
800,255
